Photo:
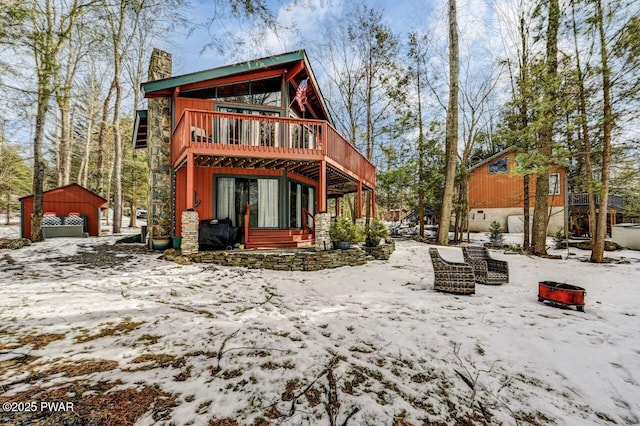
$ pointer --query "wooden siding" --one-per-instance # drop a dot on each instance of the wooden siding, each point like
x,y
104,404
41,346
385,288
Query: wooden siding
x,y
188,103
64,200
203,186
504,190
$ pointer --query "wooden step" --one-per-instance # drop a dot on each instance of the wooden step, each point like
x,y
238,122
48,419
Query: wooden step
x,y
280,237
277,232
277,238
280,244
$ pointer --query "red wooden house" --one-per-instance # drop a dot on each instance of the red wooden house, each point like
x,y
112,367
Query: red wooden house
x,y
69,200
253,142
496,193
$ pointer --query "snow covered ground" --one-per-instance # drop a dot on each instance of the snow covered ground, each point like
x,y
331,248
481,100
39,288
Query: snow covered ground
x,y
128,337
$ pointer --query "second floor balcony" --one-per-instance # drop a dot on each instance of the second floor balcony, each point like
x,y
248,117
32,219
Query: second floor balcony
x,y
264,138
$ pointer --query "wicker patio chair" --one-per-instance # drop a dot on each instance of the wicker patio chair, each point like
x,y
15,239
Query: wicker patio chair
x,y
452,277
486,269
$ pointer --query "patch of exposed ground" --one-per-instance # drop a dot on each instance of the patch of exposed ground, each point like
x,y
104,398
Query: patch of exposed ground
x,y
92,404
105,256
123,327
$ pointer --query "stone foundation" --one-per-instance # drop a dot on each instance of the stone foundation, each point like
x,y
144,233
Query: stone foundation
x,y
189,244
381,252
282,260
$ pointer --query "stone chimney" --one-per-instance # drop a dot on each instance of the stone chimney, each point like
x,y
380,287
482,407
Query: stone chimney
x,y
159,149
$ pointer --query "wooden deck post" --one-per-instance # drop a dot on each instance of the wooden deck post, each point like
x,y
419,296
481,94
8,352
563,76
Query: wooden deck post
x,y
373,203
359,209
338,200
322,187
190,173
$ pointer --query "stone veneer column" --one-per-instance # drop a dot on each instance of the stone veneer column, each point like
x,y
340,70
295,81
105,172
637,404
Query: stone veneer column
x,y
360,223
323,223
159,145
190,220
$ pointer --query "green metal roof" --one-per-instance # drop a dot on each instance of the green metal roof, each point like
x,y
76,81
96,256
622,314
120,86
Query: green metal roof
x,y
224,71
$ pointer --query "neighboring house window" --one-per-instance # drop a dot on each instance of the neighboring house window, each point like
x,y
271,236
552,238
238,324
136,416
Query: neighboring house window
x,y
554,184
501,165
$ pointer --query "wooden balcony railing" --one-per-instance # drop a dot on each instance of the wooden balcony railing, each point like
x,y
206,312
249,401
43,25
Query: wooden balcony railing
x,y
243,132
227,132
581,200
308,217
341,151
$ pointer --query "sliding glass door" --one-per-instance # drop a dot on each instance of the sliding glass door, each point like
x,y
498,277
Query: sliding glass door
x,y
262,195
300,196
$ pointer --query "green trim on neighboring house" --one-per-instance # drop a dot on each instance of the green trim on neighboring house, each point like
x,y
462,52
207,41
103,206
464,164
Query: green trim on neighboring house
x,y
223,71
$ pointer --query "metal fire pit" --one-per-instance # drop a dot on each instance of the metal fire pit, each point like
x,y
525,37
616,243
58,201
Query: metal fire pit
x,y
561,294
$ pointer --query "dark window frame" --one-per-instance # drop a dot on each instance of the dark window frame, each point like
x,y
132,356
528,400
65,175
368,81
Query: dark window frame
x,y
499,166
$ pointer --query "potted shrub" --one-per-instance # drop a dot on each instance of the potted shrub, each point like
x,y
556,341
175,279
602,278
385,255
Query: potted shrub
x,y
374,232
160,238
343,232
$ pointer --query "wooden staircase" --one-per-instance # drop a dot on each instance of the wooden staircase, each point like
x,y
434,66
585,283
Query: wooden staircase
x,y
279,238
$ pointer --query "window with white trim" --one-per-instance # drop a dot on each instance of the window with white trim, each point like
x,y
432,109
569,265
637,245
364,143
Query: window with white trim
x,y
554,183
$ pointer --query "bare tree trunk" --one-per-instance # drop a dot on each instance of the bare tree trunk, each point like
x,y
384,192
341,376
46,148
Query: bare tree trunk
x,y
524,118
66,122
68,159
466,189
83,171
44,95
451,150
597,253
136,80
92,100
60,140
101,142
108,193
585,133
370,130
545,139
421,148
117,161
526,210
